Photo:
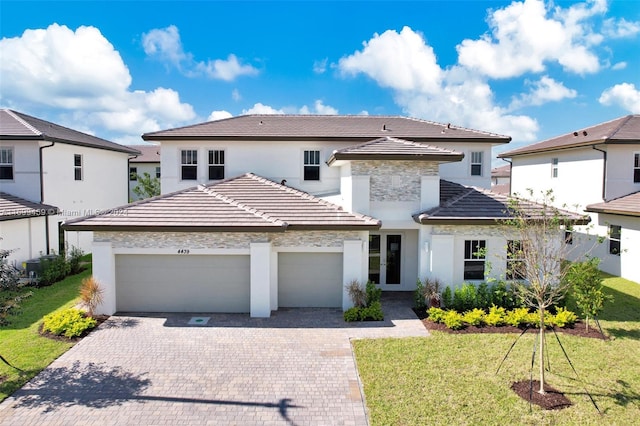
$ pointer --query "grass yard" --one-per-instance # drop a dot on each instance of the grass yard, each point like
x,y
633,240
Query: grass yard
x,y
20,342
451,379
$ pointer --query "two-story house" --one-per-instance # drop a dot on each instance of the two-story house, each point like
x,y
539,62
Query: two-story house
x,y
597,170
501,179
260,212
70,173
147,162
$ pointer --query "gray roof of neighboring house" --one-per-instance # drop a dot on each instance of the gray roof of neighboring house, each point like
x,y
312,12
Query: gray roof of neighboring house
x,y
623,130
247,203
388,148
461,204
12,207
628,205
358,128
18,126
148,154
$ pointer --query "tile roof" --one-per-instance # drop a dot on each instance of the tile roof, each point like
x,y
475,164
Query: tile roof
x,y
628,205
12,207
242,204
388,148
18,126
328,127
148,154
461,204
619,131
502,171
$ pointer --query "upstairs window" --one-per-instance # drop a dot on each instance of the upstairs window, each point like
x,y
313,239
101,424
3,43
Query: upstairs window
x,y
474,255
216,164
158,172
312,165
77,166
636,168
189,164
554,167
568,235
515,260
615,233
133,173
6,163
476,163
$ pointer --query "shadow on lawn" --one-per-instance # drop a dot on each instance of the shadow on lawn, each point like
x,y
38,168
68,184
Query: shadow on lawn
x,y
99,386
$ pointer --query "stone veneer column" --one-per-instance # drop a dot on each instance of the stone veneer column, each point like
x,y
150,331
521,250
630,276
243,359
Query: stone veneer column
x,y
352,261
104,271
260,294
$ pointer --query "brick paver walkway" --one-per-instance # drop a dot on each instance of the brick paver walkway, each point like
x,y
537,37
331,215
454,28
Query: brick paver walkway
x,y
294,368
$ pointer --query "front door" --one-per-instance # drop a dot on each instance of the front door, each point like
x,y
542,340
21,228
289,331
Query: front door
x,y
385,260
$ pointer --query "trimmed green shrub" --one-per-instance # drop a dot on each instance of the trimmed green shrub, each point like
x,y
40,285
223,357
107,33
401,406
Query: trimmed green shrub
x,y
496,316
563,318
464,298
483,296
75,255
54,270
68,323
517,317
418,295
436,314
453,320
372,312
447,298
474,317
352,314
373,293
373,309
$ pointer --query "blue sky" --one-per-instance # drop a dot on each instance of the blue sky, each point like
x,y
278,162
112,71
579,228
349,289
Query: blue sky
x,y
530,69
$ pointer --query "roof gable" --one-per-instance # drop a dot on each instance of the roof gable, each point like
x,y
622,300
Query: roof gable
x,y
148,154
623,130
241,204
628,205
326,127
18,126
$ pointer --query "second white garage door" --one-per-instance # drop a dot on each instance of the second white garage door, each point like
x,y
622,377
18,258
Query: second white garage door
x,y
167,283
310,280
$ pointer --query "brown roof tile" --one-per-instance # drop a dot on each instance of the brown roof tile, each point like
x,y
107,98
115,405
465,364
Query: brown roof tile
x,y
621,130
148,154
332,127
461,204
18,126
628,205
12,207
388,148
244,203
502,171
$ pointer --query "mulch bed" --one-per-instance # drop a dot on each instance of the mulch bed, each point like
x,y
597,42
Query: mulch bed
x,y
99,318
552,399
578,329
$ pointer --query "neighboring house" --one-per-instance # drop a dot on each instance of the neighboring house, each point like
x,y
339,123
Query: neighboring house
x,y
147,162
48,164
500,179
265,212
23,227
588,170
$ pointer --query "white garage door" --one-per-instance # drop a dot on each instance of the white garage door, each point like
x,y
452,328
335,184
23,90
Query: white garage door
x,y
310,280
164,283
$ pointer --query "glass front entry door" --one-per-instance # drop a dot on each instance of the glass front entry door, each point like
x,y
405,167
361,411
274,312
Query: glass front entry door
x,y
385,254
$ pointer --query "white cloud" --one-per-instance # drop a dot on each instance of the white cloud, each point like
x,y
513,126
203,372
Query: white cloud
x,y
235,95
165,44
621,28
318,108
319,67
260,108
81,72
227,70
524,38
624,95
542,91
219,115
619,66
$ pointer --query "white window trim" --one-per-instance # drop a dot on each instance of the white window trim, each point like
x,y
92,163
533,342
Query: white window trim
x,y
12,150
80,167
611,239
475,163
320,156
224,164
473,258
180,164
634,168
554,167
131,177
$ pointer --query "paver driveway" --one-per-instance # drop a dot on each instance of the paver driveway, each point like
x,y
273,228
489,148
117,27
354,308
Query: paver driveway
x,y
296,368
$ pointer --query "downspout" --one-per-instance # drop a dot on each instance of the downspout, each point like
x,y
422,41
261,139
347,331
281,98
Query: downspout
x,y
46,218
510,172
604,172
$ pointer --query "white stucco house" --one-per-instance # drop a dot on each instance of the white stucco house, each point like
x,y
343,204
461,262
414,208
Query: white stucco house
x,y
147,162
261,212
501,179
594,170
51,165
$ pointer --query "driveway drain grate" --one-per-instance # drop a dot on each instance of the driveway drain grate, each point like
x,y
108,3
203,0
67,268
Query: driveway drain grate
x,y
199,320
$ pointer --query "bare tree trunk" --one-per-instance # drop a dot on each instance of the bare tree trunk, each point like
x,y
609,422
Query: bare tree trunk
x,y
541,356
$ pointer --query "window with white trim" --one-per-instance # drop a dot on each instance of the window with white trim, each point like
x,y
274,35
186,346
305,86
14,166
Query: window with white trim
x,y
636,167
189,164
476,163
615,234
6,163
77,166
216,164
515,260
474,256
312,165
133,173
554,167
158,172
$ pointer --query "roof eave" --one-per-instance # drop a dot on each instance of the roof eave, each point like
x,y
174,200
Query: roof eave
x,y
139,228
286,138
612,211
441,158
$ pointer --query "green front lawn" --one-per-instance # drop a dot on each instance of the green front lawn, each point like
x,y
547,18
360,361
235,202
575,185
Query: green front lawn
x,y
451,379
20,343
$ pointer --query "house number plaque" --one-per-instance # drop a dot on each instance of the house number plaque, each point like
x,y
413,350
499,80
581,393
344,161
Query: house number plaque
x,y
183,251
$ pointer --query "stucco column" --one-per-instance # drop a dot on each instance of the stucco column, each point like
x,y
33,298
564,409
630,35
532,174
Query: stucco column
x,y
443,258
260,295
351,268
104,271
424,252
